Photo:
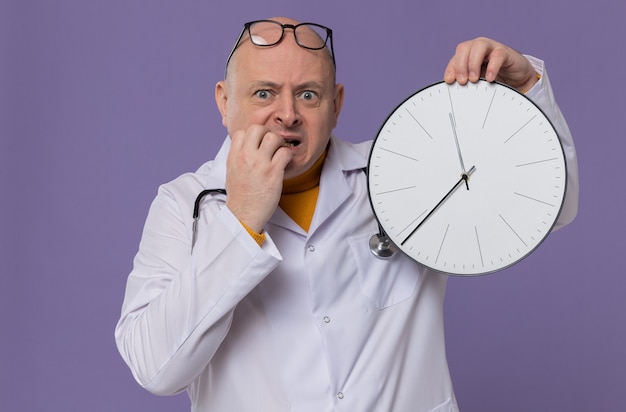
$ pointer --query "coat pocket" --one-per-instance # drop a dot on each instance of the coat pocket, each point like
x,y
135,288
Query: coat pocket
x,y
386,282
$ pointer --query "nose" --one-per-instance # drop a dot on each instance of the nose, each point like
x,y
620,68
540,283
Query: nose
x,y
286,113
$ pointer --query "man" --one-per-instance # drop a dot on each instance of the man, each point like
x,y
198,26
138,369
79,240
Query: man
x,y
272,301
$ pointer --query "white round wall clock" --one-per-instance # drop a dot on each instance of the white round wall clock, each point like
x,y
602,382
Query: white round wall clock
x,y
467,180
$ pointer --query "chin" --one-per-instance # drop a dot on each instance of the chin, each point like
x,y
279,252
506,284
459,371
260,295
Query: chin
x,y
290,174
294,171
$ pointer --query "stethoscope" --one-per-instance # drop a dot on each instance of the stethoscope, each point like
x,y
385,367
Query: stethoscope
x,y
196,212
380,244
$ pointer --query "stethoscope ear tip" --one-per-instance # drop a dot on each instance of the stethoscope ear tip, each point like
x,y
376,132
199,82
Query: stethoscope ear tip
x,y
381,246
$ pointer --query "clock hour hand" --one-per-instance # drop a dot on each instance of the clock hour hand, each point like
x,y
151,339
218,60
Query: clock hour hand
x,y
464,178
458,148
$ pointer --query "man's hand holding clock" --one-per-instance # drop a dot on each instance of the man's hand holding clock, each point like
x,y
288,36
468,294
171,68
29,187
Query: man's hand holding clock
x,y
491,60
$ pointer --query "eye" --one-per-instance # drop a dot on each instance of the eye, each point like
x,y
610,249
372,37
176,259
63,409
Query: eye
x,y
262,94
308,95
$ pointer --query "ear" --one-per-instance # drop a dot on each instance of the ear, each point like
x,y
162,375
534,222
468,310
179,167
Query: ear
x,y
338,100
221,99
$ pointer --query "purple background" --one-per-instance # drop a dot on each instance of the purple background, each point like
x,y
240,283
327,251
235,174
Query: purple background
x,y
102,101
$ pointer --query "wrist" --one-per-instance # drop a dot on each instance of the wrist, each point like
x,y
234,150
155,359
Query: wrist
x,y
530,83
259,238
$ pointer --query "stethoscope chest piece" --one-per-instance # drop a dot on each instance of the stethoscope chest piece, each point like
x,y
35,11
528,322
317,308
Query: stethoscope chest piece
x,y
381,246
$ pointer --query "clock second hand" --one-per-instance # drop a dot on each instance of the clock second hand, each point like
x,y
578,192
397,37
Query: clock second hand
x,y
458,148
464,178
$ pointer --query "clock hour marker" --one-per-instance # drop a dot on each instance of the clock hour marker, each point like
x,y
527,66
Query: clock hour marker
x,y
419,124
489,109
480,251
442,241
538,161
398,154
532,198
396,190
518,130
512,230
412,222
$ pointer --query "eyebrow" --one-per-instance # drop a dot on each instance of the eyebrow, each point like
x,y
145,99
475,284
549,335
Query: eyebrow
x,y
272,85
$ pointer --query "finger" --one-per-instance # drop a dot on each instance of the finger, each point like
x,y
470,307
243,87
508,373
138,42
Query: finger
x,y
236,139
282,157
478,55
449,75
475,58
270,143
494,62
464,62
457,66
244,150
253,137
245,143
479,61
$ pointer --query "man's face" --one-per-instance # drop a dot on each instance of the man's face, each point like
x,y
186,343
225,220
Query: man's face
x,y
288,89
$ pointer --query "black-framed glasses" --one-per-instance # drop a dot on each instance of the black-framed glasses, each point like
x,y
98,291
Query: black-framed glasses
x,y
265,33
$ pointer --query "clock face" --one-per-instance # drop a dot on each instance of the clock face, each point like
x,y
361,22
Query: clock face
x,y
467,180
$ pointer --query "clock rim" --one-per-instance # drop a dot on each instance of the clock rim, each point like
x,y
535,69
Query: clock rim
x,y
481,273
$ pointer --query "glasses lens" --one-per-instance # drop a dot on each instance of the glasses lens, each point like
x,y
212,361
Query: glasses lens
x,y
311,36
265,33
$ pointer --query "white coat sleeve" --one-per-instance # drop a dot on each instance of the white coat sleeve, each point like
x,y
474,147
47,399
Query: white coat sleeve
x,y
178,306
543,97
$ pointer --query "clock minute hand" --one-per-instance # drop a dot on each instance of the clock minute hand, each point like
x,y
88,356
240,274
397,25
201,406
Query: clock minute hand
x,y
458,147
464,178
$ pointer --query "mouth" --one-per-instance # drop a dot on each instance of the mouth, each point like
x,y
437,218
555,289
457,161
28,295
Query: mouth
x,y
291,143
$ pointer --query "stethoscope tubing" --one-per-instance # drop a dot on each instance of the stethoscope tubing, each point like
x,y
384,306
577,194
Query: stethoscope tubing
x,y
380,244
196,212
